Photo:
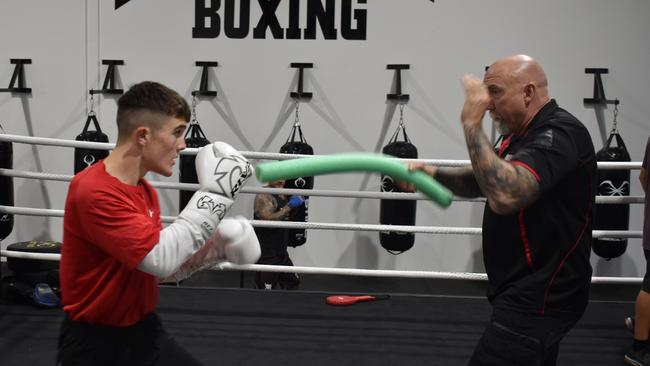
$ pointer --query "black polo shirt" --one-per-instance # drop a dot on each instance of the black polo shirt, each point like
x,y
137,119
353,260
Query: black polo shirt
x,y
537,259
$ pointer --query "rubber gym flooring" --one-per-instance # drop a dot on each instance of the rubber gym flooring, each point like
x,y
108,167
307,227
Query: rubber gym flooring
x,y
425,322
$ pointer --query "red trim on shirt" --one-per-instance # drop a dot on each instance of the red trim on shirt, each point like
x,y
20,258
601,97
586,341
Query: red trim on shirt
x,y
504,145
528,168
524,240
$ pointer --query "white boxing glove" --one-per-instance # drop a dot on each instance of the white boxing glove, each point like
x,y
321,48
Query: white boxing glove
x,y
241,245
204,211
234,241
221,172
222,169
210,254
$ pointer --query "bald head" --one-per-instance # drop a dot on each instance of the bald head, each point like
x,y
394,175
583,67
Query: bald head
x,y
521,70
518,89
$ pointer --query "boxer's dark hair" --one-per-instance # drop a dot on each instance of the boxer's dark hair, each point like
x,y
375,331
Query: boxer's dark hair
x,y
143,105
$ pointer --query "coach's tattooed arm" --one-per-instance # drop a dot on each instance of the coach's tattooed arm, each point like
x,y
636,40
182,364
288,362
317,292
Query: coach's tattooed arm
x,y
508,187
460,181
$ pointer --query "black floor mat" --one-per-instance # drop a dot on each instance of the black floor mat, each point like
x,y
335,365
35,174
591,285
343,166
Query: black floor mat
x,y
257,327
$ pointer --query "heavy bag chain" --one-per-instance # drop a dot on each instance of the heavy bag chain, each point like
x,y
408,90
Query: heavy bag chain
x,y
194,130
296,127
614,122
91,112
296,121
92,117
400,127
193,119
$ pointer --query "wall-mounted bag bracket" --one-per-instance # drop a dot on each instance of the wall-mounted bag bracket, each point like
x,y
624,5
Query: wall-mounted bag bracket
x,y
203,90
110,84
398,96
300,93
599,91
17,83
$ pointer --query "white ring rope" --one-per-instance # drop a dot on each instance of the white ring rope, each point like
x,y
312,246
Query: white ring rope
x,y
30,255
248,190
261,155
631,234
304,192
227,266
391,273
188,151
309,225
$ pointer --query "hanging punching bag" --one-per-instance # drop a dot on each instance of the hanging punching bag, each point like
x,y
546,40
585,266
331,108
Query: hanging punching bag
x,y
6,189
83,158
397,212
298,237
194,137
612,183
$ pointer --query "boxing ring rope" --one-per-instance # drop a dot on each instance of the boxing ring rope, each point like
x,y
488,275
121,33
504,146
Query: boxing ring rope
x,y
227,266
262,155
249,190
311,225
448,230
304,192
188,151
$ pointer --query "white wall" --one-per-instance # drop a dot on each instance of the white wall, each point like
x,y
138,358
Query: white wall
x,y
441,41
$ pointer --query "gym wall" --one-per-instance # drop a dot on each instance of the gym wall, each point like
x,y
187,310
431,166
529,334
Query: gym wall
x,y
441,40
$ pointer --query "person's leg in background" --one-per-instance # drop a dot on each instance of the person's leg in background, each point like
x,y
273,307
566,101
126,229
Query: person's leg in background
x,y
288,280
639,354
272,254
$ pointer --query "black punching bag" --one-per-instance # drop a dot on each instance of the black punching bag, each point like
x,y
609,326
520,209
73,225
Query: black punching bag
x,y
83,158
397,212
612,183
194,137
6,189
298,145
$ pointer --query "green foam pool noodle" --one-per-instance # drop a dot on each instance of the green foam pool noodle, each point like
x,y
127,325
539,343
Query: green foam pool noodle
x,y
355,162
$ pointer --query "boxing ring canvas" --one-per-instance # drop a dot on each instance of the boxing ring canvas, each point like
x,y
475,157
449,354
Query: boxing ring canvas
x,y
257,327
